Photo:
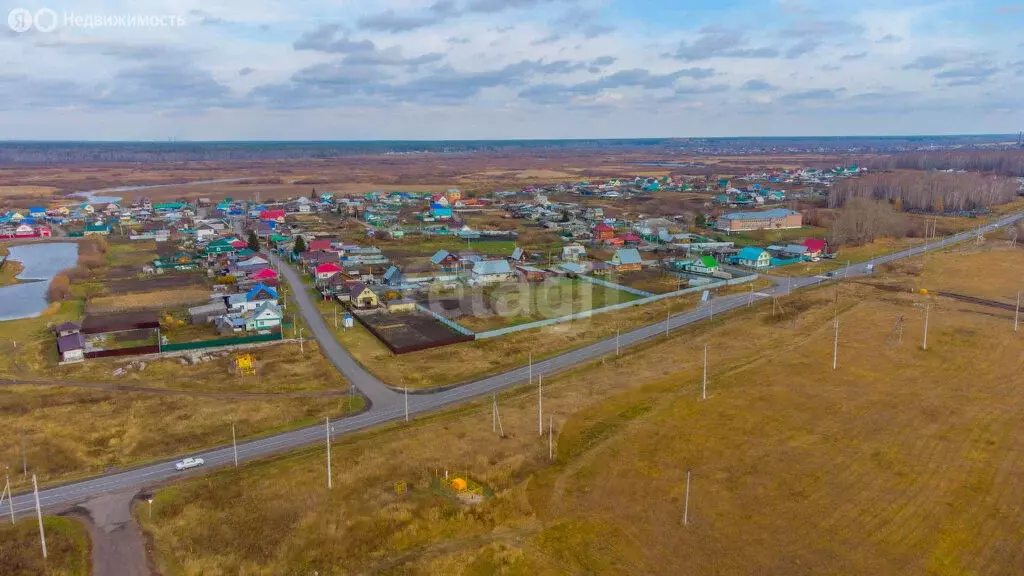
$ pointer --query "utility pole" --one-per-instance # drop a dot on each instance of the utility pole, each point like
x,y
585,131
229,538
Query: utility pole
x,y
1016,314
668,315
39,515
704,386
10,494
835,345
927,309
406,403
551,452
686,504
529,362
234,445
24,456
750,301
497,415
540,404
302,349
327,422
494,412
616,341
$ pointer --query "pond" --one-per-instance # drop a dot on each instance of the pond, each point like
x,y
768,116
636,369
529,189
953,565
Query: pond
x,y
103,196
41,262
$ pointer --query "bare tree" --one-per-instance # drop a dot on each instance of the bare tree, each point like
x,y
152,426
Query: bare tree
x,y
927,191
863,220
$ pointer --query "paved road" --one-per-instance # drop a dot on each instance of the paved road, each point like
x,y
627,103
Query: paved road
x,y
387,405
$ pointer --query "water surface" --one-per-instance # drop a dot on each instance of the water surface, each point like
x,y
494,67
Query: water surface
x,y
41,263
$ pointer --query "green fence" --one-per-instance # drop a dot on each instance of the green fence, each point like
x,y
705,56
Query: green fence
x,y
220,342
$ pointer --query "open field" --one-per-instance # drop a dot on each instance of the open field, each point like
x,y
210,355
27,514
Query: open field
x,y
153,300
67,546
521,303
928,462
76,430
648,280
470,360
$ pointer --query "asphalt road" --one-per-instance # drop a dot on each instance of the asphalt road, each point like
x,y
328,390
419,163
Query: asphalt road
x,y
388,405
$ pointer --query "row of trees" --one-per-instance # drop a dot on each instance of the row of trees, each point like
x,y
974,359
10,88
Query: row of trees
x,y
1004,162
927,191
92,254
863,220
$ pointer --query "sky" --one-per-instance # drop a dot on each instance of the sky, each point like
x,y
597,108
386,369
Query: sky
x,y
496,69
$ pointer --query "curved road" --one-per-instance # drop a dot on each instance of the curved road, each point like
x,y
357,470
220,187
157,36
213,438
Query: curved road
x,y
388,405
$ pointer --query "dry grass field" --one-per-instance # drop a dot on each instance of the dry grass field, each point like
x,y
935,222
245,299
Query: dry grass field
x,y
101,420
902,461
67,547
154,300
468,361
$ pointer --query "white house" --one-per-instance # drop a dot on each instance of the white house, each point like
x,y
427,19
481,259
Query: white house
x,y
267,315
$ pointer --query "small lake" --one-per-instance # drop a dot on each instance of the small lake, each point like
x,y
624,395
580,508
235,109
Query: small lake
x,y
41,262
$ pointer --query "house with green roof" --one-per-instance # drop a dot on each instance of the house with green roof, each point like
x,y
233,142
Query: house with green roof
x,y
704,265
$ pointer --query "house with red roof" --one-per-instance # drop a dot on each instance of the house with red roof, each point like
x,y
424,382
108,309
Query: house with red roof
x,y
604,232
816,247
272,216
630,238
325,272
319,244
264,274
238,244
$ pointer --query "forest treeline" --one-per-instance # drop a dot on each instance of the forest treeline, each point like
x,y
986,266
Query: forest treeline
x,y
927,191
1002,162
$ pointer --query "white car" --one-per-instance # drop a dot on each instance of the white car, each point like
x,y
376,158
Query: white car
x,y
189,463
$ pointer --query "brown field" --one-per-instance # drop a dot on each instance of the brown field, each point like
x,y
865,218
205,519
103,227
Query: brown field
x,y
100,420
156,300
67,547
902,461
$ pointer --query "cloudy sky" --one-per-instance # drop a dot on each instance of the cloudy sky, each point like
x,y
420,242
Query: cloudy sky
x,y
451,69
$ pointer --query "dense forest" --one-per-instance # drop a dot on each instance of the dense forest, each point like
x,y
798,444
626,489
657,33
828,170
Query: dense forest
x,y
1003,162
927,191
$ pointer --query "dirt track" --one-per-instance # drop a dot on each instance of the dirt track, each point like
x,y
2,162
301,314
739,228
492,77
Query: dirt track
x,y
118,548
174,392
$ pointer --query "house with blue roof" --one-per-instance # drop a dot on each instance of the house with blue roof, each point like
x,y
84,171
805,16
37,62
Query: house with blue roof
x,y
754,257
440,211
490,271
444,259
775,219
394,276
626,259
249,301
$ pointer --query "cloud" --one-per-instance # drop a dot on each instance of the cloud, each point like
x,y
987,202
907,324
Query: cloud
x,y
757,85
495,6
391,21
168,86
549,39
802,47
889,39
709,89
829,68
325,38
604,61
246,71
120,50
457,40
595,30
713,42
820,29
811,96
929,62
390,57
549,93
967,75
857,56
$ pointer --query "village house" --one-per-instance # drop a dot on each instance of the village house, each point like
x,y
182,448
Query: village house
x,y
573,252
325,271
703,265
267,315
753,257
816,247
603,232
393,277
444,260
489,271
239,303
626,259
360,296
